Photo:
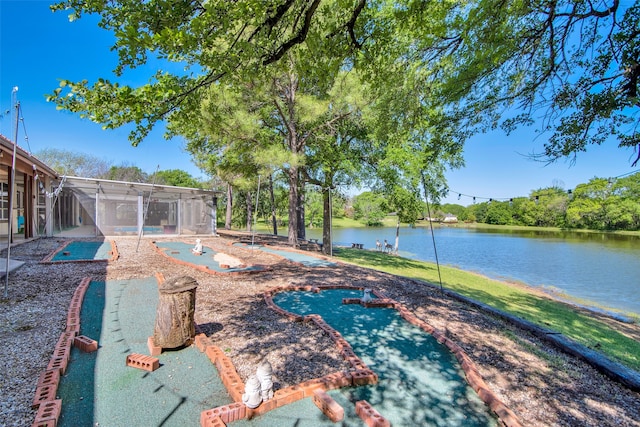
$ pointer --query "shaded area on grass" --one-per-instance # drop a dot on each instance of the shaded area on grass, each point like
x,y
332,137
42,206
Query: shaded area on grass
x,y
99,389
420,380
541,311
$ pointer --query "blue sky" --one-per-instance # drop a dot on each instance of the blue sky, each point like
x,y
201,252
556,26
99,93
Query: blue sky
x,y
500,167
39,47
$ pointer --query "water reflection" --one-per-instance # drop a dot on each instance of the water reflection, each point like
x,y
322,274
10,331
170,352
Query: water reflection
x,y
617,240
597,267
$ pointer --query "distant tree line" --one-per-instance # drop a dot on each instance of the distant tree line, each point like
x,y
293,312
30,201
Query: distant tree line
x,y
600,204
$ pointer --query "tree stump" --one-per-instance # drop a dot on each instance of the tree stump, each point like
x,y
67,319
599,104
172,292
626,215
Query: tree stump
x,y
174,316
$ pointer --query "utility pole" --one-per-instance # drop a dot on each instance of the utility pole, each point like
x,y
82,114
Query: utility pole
x,y
11,185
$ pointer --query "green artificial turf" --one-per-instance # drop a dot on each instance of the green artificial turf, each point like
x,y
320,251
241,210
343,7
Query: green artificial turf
x,y
515,300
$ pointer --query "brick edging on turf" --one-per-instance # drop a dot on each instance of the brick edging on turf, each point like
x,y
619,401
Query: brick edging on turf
x,y
475,380
234,385
49,258
48,407
258,268
320,255
219,416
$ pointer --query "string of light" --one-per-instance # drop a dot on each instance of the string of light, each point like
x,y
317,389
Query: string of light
x,y
510,199
460,194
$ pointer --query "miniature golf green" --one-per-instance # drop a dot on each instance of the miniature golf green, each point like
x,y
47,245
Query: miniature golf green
x,y
84,251
420,380
99,389
182,251
298,257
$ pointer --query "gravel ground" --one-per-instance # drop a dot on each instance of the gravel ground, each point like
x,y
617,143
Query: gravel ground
x,y
542,386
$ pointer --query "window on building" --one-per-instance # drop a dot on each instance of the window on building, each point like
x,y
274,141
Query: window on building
x,y
4,201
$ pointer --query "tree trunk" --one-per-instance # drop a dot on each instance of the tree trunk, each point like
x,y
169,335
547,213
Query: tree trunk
x,y
302,234
293,206
326,222
274,221
227,220
295,147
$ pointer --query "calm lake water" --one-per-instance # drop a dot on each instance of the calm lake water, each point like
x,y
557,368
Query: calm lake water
x,y
597,267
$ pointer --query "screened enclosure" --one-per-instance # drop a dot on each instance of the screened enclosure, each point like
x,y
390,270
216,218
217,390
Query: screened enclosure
x,y
103,207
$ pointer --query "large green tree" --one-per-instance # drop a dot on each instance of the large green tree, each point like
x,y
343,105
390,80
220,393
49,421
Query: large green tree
x,y
370,208
75,164
225,138
285,122
126,172
435,72
178,178
574,63
578,59
340,154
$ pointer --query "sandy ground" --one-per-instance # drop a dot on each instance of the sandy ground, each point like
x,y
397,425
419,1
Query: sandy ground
x,y
543,386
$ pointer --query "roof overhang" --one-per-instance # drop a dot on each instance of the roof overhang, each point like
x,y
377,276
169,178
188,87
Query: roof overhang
x,y
90,186
25,161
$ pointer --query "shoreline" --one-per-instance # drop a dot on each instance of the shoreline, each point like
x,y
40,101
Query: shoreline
x,y
554,315
553,293
478,225
572,275
562,297
550,291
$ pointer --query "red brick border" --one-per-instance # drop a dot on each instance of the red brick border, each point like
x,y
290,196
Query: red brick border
x,y
276,246
363,375
154,350
328,405
44,394
163,252
47,386
235,387
48,411
85,344
208,420
46,403
370,416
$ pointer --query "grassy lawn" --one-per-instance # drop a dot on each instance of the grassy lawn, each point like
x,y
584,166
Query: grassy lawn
x,y
510,299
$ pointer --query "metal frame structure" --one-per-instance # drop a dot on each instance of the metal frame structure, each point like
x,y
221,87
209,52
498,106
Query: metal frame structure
x,y
107,208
